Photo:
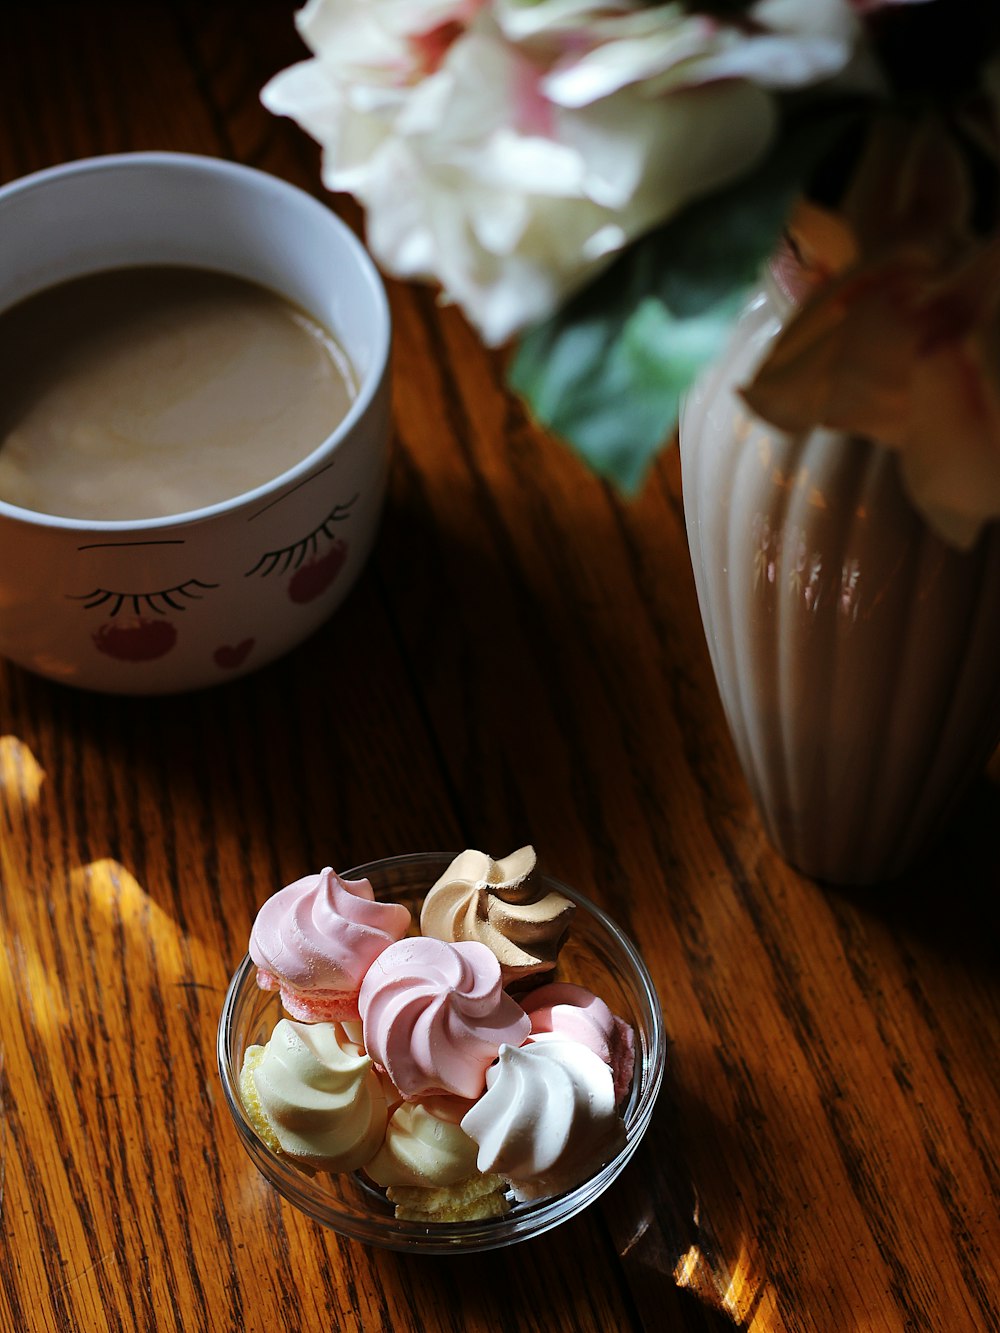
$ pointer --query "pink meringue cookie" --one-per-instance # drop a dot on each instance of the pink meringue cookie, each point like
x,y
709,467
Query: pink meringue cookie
x,y
566,1010
314,940
435,1015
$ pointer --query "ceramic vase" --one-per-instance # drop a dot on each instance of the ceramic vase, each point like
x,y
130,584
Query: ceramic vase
x,y
857,655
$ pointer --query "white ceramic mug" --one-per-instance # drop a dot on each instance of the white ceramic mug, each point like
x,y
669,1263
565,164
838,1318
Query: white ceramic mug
x,y
157,605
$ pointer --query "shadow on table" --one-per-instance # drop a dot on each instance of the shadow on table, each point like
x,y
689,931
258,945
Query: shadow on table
x,y
299,763
712,1231
950,902
681,1222
666,1253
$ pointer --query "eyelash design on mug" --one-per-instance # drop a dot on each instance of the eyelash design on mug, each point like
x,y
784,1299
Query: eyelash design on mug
x,y
291,557
159,603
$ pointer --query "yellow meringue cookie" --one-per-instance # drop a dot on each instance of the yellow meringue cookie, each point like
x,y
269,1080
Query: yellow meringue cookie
x,y
425,1145
428,1163
313,1095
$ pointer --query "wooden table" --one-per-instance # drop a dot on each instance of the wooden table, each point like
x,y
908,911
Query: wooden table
x,y
522,661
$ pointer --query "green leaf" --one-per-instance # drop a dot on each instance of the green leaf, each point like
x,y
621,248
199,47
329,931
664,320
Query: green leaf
x,y
607,371
614,391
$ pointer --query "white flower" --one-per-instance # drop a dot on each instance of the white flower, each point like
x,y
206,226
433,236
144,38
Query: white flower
x,y
783,44
508,150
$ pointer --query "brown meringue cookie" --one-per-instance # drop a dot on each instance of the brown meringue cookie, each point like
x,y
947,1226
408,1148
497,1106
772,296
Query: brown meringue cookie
x,y
495,903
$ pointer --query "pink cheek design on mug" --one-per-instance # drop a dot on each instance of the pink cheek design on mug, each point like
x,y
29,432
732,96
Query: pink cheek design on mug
x,y
312,579
135,640
312,573
231,656
145,634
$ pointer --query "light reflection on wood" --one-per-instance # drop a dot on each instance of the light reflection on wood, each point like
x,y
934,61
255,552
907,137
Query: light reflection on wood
x,y
738,1292
21,775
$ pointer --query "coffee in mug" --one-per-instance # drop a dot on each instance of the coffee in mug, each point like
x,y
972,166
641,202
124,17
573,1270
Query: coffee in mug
x,y
153,390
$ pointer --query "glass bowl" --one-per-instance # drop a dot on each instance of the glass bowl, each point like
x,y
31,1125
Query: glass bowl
x,y
596,954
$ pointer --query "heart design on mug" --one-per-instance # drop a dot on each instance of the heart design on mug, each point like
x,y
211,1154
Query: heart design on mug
x,y
229,656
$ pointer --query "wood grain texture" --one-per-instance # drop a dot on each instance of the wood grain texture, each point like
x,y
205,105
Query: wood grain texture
x,y
522,661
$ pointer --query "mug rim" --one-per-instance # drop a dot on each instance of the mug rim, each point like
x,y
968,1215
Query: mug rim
x,y
277,186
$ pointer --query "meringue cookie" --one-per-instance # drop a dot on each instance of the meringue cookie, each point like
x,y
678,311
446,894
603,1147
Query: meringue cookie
x,y
315,939
425,1145
493,903
435,1014
547,1120
567,1010
428,1163
313,1094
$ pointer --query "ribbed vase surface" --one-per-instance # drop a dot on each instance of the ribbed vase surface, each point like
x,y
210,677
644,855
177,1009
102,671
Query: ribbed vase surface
x,y
856,654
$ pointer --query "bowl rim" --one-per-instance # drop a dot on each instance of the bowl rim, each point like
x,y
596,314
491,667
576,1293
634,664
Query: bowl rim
x,y
528,1220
